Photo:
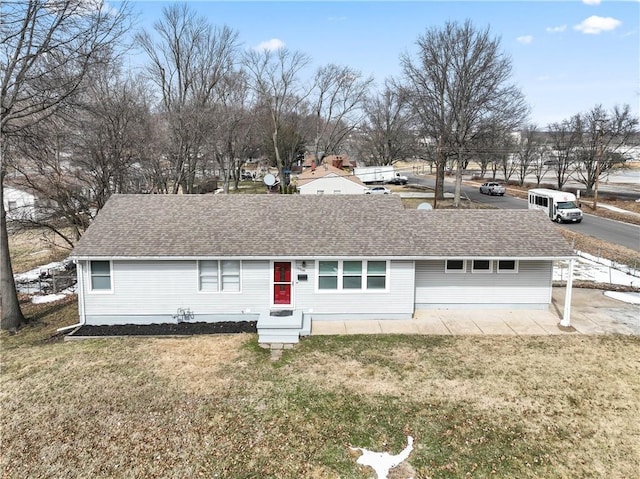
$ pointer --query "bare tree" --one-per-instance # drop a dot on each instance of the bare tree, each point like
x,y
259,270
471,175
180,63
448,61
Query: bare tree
x,y
605,142
387,134
44,167
235,138
276,84
338,97
505,156
47,46
529,153
459,84
187,62
564,141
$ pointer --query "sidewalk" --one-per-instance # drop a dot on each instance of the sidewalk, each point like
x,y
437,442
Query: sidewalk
x,y
592,313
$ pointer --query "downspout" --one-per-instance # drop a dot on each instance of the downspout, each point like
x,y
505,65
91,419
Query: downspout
x,y
80,282
566,316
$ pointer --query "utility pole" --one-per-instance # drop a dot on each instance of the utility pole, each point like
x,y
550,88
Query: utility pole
x,y
598,158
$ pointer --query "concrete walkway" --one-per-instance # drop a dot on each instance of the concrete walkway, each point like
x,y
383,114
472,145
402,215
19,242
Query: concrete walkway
x,y
592,313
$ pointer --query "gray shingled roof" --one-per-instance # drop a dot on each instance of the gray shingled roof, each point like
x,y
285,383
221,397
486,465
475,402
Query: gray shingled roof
x,y
306,226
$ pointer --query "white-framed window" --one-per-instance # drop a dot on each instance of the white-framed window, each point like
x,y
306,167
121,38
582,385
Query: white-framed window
x,y
376,275
219,276
319,192
337,192
350,275
507,266
455,266
328,275
100,275
482,266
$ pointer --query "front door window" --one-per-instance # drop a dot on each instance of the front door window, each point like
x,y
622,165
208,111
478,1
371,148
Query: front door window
x,y
282,283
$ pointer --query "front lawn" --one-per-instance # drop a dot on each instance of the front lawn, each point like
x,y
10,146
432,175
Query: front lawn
x,y
217,406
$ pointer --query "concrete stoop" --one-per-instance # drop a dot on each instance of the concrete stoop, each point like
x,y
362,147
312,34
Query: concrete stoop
x,y
278,330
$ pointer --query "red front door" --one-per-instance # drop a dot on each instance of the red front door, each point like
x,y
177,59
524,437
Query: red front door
x,y
281,283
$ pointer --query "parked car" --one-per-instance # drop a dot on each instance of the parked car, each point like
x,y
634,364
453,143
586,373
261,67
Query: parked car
x,y
492,188
247,175
378,190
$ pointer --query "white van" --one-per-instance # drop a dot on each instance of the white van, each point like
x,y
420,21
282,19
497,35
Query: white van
x,y
559,205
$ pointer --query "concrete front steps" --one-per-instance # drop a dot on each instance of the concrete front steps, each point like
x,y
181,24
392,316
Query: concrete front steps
x,y
282,327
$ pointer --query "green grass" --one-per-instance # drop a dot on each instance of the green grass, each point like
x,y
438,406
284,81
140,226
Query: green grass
x,y
217,406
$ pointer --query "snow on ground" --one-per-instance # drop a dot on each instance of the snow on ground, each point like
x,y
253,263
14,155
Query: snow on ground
x,y
631,298
34,274
381,462
47,298
598,270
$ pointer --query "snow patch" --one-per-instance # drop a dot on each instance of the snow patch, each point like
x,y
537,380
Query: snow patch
x,y
598,270
631,298
48,298
34,274
381,462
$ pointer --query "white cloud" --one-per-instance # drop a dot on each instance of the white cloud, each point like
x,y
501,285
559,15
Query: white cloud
x,y
271,45
558,29
526,39
591,2
595,25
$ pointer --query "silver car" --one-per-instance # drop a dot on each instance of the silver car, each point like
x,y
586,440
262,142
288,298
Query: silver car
x,y
492,188
378,190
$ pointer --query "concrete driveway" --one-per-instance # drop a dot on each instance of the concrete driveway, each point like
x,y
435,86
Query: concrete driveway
x,y
592,313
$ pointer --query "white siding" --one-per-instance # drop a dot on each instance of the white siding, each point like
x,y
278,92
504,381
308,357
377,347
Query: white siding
x,y
395,303
529,287
157,289
331,185
152,291
19,204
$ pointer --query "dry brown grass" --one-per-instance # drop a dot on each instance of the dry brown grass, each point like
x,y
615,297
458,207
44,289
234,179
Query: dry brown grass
x,y
216,406
34,247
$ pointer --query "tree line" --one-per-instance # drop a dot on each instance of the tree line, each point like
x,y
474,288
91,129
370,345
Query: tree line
x,y
78,126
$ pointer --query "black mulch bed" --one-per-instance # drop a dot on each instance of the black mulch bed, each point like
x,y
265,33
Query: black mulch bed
x,y
167,329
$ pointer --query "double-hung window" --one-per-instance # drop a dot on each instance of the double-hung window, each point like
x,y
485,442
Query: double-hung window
x,y
100,275
328,275
352,275
223,275
376,274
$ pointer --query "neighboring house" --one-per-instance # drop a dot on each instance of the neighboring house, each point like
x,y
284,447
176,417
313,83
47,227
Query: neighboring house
x,y
328,180
20,203
283,259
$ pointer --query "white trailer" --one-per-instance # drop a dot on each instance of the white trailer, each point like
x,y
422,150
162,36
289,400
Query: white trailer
x,y
560,206
379,174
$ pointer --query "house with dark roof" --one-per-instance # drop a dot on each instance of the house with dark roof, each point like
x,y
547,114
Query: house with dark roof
x,y
289,260
329,180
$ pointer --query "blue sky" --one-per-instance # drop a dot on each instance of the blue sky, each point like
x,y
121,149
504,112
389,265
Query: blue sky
x,y
567,56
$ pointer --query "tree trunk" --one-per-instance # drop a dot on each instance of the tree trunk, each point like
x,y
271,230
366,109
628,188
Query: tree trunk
x,y
279,163
10,311
440,166
458,189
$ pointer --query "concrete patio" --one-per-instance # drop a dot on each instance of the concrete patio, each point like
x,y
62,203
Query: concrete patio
x,y
592,313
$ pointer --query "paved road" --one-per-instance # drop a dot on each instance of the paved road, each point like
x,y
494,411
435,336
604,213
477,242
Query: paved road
x,y
615,232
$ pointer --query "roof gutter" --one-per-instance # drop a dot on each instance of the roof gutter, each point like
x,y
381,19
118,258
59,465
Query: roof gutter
x,y
316,257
